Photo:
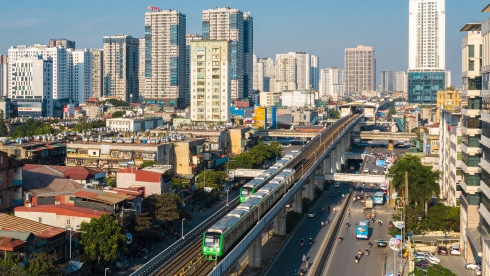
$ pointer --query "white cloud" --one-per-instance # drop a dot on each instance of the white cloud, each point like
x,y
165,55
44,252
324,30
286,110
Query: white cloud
x,y
25,23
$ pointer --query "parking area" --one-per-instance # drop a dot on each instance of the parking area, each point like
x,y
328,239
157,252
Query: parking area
x,y
456,265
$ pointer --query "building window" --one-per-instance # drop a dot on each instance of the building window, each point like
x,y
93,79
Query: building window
x,y
471,65
68,221
471,51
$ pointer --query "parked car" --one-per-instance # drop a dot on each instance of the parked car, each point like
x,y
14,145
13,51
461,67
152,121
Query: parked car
x,y
381,243
478,271
434,260
455,250
420,256
472,265
375,171
366,170
422,263
311,214
442,250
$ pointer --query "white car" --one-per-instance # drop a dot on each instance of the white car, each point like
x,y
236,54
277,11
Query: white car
x,y
478,271
434,260
337,185
375,171
454,250
366,170
311,214
472,266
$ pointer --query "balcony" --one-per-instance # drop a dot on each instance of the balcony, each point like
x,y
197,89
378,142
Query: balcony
x,y
17,182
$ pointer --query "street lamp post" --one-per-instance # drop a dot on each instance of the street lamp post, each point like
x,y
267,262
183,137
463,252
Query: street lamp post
x,y
105,271
72,232
227,204
183,237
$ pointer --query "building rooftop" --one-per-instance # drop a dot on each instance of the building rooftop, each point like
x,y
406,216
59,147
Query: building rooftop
x,y
41,230
64,210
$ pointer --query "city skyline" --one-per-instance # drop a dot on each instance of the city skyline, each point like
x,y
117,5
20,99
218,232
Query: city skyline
x,y
321,28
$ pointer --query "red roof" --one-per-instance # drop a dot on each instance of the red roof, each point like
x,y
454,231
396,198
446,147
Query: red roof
x,y
63,210
75,173
10,244
148,176
40,230
84,194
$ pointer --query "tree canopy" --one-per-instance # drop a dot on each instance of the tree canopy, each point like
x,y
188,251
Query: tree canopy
x,y
257,156
118,114
84,125
334,113
116,102
433,270
422,179
102,239
32,127
165,207
214,179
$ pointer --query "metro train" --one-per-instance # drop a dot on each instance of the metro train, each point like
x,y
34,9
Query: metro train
x,y
225,233
255,184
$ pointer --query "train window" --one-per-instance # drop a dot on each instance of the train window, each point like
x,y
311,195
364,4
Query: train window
x,y
245,191
212,240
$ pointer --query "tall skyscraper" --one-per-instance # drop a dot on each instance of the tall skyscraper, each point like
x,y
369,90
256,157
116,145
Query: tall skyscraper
x,y
360,70
97,73
387,81
188,39
31,83
258,74
210,80
165,59
61,42
426,50
332,83
401,82
121,67
235,26
59,60
3,75
296,70
263,74
79,71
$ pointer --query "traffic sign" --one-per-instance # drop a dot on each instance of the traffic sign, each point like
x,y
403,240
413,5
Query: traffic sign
x,y
394,244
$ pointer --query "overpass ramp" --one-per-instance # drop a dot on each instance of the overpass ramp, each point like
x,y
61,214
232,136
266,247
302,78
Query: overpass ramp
x,y
349,177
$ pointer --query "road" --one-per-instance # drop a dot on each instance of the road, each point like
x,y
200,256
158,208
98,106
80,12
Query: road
x,y
289,258
378,262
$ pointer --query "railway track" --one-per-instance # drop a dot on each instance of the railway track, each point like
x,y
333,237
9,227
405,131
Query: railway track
x,y
193,263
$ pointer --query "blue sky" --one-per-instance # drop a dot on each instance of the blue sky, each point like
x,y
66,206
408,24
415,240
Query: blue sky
x,y
320,27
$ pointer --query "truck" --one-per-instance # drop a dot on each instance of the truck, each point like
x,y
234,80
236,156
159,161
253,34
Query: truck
x,y
369,203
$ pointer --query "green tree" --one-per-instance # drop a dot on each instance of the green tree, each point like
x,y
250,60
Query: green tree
x,y
148,163
434,270
143,227
3,129
84,125
32,127
103,238
164,207
118,114
10,266
214,179
42,264
116,102
334,113
422,179
257,156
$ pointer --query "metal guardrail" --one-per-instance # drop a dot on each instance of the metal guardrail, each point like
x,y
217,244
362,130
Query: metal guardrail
x,y
231,258
163,258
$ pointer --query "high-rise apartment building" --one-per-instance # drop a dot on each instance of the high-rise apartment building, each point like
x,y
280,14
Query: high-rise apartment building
x,y
258,74
79,71
31,83
3,75
121,67
59,60
360,70
235,26
387,81
475,143
426,50
188,39
296,70
332,84
401,82
61,42
211,70
165,58
97,72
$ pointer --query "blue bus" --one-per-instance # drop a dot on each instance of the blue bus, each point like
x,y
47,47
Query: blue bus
x,y
379,198
362,230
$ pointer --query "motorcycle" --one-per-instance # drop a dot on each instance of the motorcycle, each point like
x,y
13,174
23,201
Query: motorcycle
x,y
367,252
370,244
356,259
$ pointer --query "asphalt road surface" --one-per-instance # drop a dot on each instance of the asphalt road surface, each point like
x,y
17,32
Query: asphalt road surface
x,y
380,259
289,258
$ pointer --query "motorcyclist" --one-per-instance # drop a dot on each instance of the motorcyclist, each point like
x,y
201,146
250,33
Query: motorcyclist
x,y
304,258
347,223
302,242
311,241
328,208
306,265
323,224
359,253
367,251
339,239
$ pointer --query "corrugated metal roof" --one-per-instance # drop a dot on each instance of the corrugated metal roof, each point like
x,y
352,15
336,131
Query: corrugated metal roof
x,y
13,223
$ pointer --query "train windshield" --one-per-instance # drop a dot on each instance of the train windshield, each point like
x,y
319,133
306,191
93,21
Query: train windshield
x,y
212,240
246,191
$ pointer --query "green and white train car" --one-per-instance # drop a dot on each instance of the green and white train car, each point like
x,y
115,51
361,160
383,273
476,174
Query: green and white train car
x,y
225,233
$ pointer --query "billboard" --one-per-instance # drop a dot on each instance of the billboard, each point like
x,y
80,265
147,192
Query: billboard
x,y
381,163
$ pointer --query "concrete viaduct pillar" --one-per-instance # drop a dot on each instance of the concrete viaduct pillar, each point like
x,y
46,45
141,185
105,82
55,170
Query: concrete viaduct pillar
x,y
310,187
280,223
298,202
333,160
255,253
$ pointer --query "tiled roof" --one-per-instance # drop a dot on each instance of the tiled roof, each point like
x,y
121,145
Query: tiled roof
x,y
21,224
85,194
65,210
75,173
10,244
143,175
